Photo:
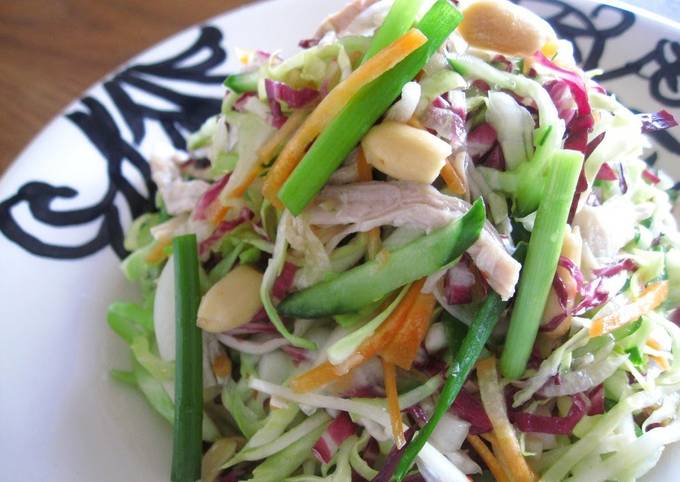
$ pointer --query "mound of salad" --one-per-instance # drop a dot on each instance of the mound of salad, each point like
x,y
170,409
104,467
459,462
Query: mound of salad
x,y
424,248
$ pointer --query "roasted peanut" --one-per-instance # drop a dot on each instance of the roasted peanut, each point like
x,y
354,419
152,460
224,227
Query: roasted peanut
x,y
405,152
232,301
504,27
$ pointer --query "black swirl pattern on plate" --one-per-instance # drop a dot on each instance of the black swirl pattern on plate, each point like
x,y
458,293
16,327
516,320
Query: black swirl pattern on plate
x,y
575,25
589,30
97,124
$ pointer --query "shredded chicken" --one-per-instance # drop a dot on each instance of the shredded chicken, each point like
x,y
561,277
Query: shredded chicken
x,y
179,195
608,228
363,206
341,20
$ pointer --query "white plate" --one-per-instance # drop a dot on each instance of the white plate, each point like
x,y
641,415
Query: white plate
x,y
67,199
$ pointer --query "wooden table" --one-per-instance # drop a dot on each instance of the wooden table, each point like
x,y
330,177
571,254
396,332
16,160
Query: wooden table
x,y
52,50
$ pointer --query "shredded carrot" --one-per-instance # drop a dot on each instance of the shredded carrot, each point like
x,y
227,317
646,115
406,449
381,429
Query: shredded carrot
x,y
326,372
403,348
390,375
452,179
493,400
332,104
661,361
653,344
265,154
157,252
488,457
222,366
364,170
218,216
365,174
650,298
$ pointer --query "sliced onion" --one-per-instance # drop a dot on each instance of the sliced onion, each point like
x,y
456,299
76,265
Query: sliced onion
x,y
252,347
584,379
404,108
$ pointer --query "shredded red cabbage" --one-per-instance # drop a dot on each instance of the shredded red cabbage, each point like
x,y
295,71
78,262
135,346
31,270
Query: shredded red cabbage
x,y
575,82
577,132
284,282
295,98
529,422
592,295
308,43
650,176
675,316
614,269
417,414
458,284
200,211
445,122
501,62
223,228
339,429
278,92
494,159
657,121
574,271
561,291
252,328
481,85
469,408
582,183
480,140
298,355
393,458
606,173
240,104
561,96
623,184
596,396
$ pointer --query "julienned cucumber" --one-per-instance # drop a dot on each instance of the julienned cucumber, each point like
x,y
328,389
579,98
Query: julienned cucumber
x,y
244,82
374,279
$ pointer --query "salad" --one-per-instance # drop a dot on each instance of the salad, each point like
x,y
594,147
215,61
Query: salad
x,y
423,248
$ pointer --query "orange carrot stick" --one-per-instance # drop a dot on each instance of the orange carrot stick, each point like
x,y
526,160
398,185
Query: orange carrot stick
x,y
650,298
157,252
390,375
403,348
326,372
332,104
493,400
488,457
452,180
